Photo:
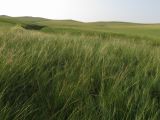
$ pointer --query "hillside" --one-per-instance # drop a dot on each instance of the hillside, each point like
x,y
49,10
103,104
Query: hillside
x,y
130,29
70,70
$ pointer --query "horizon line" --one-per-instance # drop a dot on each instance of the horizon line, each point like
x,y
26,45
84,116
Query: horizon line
x,y
94,21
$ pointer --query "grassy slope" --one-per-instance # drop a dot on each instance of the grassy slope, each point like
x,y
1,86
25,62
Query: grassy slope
x,y
148,30
77,71
130,29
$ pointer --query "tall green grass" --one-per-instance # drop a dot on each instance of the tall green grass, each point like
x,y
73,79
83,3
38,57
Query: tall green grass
x,y
77,77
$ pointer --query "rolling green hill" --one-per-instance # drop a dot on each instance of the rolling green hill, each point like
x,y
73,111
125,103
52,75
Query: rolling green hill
x,y
129,29
70,70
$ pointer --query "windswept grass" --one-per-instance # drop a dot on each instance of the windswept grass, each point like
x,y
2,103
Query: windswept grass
x,y
64,76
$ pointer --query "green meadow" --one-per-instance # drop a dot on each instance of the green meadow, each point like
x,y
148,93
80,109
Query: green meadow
x,y
70,70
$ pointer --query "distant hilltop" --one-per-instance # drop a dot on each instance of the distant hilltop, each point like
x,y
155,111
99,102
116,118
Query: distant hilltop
x,y
71,20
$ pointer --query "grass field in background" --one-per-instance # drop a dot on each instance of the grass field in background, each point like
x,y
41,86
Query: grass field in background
x,y
71,70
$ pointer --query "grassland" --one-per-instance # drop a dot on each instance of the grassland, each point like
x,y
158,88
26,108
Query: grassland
x,y
79,71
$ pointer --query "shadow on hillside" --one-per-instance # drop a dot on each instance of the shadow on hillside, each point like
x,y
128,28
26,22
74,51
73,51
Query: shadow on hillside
x,y
33,26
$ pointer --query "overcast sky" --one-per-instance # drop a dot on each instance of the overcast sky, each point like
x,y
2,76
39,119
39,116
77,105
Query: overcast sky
x,y
147,11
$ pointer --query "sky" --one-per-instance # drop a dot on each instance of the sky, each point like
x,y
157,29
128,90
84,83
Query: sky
x,y
141,11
